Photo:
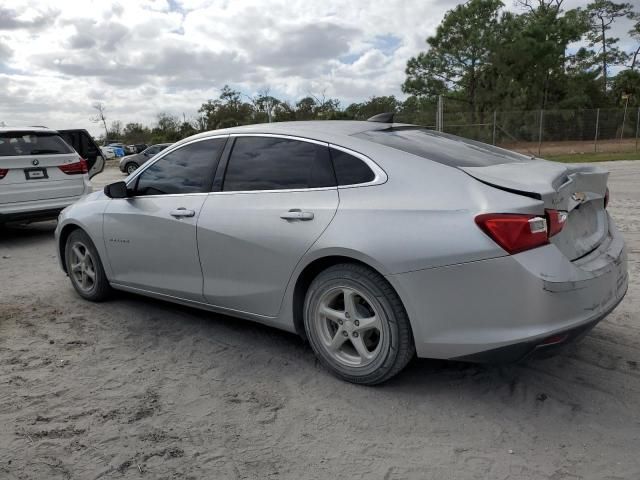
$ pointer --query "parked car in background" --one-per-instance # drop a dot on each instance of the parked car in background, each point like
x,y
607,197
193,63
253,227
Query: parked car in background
x,y
107,152
135,148
118,149
130,163
374,240
40,173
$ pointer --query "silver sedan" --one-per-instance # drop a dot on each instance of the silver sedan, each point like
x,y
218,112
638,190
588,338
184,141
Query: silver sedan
x,y
375,241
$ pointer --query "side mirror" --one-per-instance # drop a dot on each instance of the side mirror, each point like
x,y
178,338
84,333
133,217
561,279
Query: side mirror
x,y
116,190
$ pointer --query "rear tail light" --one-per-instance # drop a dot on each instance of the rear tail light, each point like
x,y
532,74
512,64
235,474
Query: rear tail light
x,y
555,221
3,172
514,232
517,232
76,168
606,198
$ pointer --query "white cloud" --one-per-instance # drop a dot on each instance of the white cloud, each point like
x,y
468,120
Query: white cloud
x,y
143,57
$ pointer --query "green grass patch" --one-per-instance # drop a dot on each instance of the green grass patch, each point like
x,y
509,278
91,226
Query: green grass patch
x,y
593,157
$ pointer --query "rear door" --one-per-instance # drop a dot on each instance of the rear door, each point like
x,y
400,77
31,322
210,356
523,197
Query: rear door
x,y
38,165
84,144
150,237
277,197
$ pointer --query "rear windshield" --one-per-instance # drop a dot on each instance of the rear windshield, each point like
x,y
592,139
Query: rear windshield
x,y
32,143
441,147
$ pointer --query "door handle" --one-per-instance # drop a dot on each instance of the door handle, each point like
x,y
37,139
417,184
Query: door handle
x,y
182,212
297,214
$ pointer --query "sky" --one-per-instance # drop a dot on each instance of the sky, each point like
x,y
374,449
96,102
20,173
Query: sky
x,y
143,57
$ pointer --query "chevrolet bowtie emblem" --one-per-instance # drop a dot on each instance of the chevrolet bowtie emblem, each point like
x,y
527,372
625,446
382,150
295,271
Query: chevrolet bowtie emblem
x,y
579,197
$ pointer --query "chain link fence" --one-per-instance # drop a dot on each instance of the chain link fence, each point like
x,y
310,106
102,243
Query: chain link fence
x,y
536,132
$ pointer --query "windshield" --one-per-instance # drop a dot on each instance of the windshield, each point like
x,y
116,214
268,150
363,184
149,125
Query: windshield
x,y
32,143
441,147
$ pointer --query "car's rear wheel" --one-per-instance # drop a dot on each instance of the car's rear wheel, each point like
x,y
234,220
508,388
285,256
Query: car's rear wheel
x,y
85,268
131,167
357,325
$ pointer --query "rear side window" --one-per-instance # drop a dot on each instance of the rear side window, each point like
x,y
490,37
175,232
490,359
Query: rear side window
x,y
188,169
32,143
350,170
441,147
271,163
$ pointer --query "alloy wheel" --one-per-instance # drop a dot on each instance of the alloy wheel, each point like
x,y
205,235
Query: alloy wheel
x,y
82,267
349,325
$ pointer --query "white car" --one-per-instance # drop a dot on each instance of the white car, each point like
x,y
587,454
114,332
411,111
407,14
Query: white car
x,y
108,152
40,173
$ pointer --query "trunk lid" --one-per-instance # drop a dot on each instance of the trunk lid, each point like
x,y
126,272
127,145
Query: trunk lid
x,y
578,190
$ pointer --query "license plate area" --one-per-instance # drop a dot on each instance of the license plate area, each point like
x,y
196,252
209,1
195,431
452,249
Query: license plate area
x,y
35,173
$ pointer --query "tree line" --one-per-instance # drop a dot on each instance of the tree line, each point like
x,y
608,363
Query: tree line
x,y
492,59
482,58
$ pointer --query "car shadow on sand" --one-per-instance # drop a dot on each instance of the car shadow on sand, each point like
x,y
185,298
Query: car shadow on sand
x,y
538,375
27,232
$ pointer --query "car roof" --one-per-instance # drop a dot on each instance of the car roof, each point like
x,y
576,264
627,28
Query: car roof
x,y
318,129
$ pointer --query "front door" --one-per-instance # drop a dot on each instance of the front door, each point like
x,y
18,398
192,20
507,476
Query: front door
x,y
150,237
277,198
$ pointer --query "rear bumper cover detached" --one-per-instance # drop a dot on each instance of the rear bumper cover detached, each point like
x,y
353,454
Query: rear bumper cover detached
x,y
505,308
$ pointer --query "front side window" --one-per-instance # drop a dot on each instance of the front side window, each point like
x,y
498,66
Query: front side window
x,y
271,163
32,143
188,169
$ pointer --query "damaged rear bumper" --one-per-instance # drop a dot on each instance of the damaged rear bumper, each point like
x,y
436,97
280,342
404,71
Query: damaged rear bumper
x,y
503,309
542,347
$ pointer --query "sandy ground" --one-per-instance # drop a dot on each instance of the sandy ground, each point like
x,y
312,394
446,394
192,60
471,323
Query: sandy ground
x,y
137,388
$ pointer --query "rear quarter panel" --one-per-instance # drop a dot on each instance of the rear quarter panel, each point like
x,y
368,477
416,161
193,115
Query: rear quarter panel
x,y
422,217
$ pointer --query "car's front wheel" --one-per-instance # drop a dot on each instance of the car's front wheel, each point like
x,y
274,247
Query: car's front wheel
x,y
131,167
85,268
357,325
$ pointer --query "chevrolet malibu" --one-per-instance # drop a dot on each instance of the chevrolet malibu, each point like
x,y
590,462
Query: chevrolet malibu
x,y
376,241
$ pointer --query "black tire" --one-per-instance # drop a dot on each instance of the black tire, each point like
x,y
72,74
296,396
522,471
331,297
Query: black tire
x,y
396,346
131,167
100,289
